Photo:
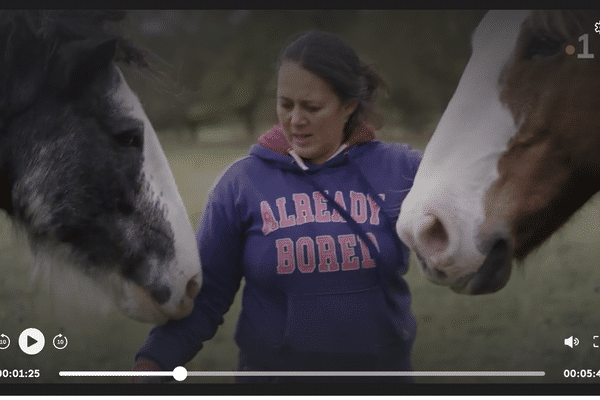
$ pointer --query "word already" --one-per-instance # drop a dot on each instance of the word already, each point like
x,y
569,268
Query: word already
x,y
305,252
359,206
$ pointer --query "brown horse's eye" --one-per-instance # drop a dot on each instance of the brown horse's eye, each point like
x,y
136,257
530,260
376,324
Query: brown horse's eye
x,y
542,45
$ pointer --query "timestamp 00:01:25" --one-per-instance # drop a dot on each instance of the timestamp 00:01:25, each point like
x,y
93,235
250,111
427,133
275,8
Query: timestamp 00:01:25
x,y
581,373
19,373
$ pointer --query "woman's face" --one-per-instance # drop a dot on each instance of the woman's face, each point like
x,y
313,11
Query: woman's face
x,y
310,112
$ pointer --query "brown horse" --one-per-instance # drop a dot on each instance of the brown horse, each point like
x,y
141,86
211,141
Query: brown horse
x,y
516,153
81,168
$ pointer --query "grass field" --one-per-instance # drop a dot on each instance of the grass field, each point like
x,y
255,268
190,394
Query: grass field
x,y
554,295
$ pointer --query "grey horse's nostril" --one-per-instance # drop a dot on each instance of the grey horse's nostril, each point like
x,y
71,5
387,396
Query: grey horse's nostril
x,y
192,289
160,294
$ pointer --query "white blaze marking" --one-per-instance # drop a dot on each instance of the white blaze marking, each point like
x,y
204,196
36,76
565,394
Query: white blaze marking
x,y
459,162
162,184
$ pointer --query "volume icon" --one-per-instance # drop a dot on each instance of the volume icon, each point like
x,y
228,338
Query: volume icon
x,y
570,341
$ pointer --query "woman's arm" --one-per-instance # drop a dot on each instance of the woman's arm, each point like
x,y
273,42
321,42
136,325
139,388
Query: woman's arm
x,y
220,239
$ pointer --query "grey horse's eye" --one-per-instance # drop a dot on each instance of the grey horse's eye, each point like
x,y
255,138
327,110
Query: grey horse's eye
x,y
542,45
130,138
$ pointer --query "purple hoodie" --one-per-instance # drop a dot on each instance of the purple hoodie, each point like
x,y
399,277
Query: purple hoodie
x,y
318,294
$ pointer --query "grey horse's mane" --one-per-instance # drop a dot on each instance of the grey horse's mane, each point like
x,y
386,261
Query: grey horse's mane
x,y
29,40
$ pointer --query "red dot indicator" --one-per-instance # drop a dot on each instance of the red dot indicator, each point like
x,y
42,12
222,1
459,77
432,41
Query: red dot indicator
x,y
570,49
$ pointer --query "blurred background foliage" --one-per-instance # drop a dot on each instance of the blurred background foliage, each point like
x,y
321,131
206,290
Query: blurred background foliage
x,y
217,67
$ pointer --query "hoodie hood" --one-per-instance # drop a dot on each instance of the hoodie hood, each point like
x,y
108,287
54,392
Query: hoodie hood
x,y
280,149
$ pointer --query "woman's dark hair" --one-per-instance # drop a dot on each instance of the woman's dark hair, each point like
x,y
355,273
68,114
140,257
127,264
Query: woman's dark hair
x,y
333,60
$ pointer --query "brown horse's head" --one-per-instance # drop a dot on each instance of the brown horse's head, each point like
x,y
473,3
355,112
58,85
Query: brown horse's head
x,y
552,165
515,154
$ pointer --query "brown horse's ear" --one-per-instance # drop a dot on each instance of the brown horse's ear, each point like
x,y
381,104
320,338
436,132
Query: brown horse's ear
x,y
80,63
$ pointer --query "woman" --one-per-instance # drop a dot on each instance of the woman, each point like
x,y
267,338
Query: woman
x,y
303,219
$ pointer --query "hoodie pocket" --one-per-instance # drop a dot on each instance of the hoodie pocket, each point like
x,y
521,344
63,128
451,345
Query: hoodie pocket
x,y
357,322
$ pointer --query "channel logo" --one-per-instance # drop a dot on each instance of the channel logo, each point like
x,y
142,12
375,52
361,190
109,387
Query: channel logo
x,y
570,341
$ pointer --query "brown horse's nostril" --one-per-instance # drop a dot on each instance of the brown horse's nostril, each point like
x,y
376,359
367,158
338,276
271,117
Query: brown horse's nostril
x,y
439,274
433,235
489,236
192,289
495,271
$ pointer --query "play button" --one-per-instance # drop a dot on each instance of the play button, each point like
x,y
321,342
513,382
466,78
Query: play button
x,y
31,341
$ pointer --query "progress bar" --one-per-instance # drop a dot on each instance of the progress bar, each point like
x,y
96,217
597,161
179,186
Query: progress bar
x,y
180,373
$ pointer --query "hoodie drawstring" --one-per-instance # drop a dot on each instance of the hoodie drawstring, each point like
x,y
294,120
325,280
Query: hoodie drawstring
x,y
357,228
301,163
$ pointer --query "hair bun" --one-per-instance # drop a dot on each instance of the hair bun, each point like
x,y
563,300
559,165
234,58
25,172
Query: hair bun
x,y
333,60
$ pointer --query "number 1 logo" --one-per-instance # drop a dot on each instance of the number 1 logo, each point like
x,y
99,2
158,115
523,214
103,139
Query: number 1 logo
x,y
586,47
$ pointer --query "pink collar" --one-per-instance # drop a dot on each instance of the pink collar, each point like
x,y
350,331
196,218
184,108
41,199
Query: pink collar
x,y
275,138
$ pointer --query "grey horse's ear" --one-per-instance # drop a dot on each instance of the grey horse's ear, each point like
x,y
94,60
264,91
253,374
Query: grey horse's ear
x,y
5,182
79,63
